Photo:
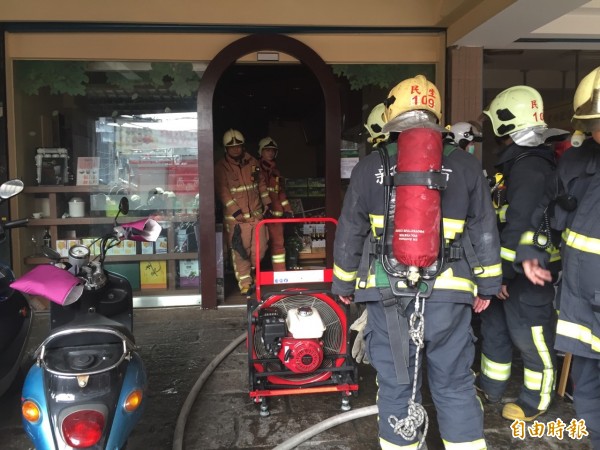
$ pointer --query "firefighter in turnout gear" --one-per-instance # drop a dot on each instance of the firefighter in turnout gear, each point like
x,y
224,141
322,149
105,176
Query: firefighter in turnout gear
x,y
470,239
245,199
523,314
280,206
571,208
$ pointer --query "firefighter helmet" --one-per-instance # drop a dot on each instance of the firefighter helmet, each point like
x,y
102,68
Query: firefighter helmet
x,y
412,94
267,143
233,137
465,131
374,125
586,102
413,103
514,109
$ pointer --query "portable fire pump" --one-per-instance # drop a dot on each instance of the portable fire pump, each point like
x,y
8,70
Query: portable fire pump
x,y
298,338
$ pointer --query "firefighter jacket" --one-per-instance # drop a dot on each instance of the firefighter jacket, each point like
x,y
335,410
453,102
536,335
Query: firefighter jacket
x,y
527,172
240,188
275,187
466,206
578,173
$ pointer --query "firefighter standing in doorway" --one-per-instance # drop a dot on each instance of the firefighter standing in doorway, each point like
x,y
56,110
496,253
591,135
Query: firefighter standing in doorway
x,y
523,314
359,275
280,206
572,207
245,199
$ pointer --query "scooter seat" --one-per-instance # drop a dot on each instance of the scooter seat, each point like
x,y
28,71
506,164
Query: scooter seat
x,y
100,328
75,360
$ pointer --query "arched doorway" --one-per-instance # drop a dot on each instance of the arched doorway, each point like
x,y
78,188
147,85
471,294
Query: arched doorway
x,y
229,55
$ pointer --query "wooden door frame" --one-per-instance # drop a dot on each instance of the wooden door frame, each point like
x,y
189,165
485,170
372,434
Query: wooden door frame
x,y
228,56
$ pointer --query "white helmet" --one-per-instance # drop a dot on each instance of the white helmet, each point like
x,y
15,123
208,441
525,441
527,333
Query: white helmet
x,y
465,131
374,125
233,137
267,143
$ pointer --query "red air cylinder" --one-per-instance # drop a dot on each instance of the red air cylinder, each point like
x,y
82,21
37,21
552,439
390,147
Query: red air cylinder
x,y
418,208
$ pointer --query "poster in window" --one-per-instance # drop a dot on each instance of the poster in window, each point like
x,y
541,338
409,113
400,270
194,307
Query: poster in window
x,y
88,170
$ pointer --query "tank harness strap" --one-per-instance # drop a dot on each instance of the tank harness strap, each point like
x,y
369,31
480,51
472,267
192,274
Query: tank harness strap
x,y
432,179
365,261
472,260
397,325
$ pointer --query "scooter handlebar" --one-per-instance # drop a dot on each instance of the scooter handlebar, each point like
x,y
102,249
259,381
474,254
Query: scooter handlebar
x,y
140,230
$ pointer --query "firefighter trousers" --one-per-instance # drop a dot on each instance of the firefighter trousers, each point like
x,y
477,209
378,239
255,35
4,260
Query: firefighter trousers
x,y
526,321
585,373
448,355
276,246
243,266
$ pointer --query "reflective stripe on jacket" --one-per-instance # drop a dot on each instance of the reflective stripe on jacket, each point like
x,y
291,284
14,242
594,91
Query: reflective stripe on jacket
x,y
237,188
525,179
275,187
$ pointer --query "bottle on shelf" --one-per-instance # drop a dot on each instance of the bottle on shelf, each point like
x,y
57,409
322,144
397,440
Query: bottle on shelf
x,y
47,239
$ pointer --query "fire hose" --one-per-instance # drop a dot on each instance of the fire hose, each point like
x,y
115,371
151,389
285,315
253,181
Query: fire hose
x,y
189,401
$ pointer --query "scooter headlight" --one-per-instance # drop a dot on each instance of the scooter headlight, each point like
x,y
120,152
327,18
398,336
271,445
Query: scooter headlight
x,y
83,429
133,401
31,411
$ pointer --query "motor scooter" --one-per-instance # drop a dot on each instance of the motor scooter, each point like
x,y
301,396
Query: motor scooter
x,y
15,313
87,386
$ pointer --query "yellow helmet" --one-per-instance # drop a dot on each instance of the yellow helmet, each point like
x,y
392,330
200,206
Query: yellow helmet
x,y
374,125
412,94
233,137
514,109
267,143
586,102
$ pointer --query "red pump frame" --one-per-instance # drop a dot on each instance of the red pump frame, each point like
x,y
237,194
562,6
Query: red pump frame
x,y
269,278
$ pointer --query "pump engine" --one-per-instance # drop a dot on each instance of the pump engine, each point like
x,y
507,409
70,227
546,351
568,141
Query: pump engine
x,y
296,340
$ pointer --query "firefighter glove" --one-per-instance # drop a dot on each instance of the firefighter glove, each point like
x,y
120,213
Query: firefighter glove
x,y
359,347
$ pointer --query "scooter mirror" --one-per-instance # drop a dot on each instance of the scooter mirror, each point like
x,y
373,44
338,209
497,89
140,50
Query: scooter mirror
x,y
50,253
11,188
124,206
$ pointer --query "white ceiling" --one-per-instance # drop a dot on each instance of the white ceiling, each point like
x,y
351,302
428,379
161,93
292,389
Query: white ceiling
x,y
540,24
547,43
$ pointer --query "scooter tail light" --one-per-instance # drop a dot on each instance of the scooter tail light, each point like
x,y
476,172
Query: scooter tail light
x,y
83,429
31,411
133,401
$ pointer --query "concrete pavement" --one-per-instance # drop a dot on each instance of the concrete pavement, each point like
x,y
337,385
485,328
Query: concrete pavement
x,y
177,344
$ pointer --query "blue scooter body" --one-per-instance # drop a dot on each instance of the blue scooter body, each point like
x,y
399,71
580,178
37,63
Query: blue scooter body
x,y
99,344
46,435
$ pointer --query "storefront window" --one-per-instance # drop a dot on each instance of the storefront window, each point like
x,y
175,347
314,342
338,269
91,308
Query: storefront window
x,y
89,133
